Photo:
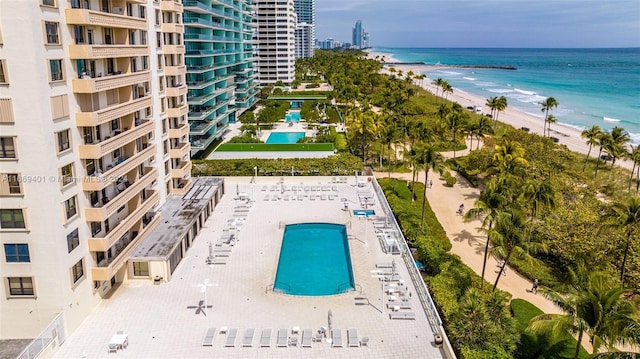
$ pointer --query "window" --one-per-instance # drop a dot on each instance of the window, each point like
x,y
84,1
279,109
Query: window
x,y
143,37
51,31
157,17
77,271
63,140
6,110
73,240
59,106
51,3
66,174
11,218
141,269
20,286
70,207
10,184
143,12
15,253
96,227
55,70
3,75
7,148
115,124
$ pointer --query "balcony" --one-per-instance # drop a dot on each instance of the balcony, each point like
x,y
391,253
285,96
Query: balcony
x,y
110,144
104,19
108,268
95,118
172,27
99,214
96,183
183,171
171,5
102,244
180,151
176,91
179,132
178,111
175,70
173,49
184,188
107,51
109,82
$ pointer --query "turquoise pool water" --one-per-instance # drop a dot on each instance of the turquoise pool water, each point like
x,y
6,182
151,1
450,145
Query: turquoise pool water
x,y
314,260
284,137
364,212
292,116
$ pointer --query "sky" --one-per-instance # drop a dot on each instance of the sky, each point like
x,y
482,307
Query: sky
x,y
483,23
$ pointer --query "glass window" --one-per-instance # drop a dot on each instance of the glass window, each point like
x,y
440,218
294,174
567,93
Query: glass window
x,y
77,271
73,240
63,140
11,218
20,286
7,148
51,29
49,3
3,77
141,269
13,183
16,253
70,207
55,69
66,174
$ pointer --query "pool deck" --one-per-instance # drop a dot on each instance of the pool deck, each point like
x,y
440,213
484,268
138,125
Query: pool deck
x,y
161,320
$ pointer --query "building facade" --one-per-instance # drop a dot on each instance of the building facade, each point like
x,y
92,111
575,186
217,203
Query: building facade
x,y
275,25
305,36
357,35
93,139
220,66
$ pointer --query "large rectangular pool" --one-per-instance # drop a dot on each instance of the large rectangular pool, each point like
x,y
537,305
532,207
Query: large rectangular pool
x,y
314,260
284,137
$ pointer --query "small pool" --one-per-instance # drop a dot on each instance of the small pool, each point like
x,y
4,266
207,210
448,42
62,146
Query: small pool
x,y
364,212
292,116
314,260
284,137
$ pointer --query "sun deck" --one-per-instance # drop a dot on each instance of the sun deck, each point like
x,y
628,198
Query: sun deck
x,y
169,320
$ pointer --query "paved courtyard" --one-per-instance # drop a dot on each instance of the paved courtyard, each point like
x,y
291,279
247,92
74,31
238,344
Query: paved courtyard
x,y
163,321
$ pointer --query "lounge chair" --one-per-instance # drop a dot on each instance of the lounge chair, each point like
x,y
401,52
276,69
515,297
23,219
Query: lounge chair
x,y
365,341
353,337
282,338
402,315
207,341
112,348
231,337
318,338
384,265
265,339
306,338
293,341
399,305
336,338
248,337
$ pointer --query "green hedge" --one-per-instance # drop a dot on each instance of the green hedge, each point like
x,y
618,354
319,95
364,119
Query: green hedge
x,y
264,147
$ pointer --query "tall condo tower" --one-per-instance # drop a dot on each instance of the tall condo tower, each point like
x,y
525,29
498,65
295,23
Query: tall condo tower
x,y
93,139
275,24
220,69
305,36
357,35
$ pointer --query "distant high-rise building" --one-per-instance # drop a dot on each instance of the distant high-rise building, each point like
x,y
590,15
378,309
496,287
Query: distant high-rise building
x,y
358,34
274,38
305,34
365,40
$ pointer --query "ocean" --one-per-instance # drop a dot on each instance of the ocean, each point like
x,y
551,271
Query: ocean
x,y
592,86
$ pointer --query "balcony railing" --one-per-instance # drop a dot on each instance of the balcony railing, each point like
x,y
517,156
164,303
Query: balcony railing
x,y
109,81
183,171
110,144
171,5
81,51
172,27
175,91
180,151
117,170
173,49
178,111
175,70
95,118
179,132
105,19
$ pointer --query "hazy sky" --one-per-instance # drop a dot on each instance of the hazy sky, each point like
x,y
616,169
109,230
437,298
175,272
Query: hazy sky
x,y
484,23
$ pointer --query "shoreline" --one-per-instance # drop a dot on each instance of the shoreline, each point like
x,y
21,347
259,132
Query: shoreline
x,y
567,135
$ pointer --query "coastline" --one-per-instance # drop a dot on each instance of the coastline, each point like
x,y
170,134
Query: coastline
x,y
567,135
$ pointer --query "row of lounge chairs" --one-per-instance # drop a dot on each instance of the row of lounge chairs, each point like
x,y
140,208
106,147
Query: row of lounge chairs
x,y
283,340
301,197
339,180
399,294
300,188
222,250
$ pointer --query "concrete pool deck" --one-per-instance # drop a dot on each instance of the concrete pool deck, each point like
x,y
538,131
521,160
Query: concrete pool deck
x,y
161,320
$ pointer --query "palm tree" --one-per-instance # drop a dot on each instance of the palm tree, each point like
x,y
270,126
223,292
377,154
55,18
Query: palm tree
x,y
491,201
550,119
620,138
591,134
592,305
634,155
508,157
547,105
446,89
501,105
492,103
603,141
455,121
388,135
362,127
438,83
483,127
430,159
624,216
538,193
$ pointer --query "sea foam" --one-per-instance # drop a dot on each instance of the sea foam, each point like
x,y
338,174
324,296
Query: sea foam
x,y
609,119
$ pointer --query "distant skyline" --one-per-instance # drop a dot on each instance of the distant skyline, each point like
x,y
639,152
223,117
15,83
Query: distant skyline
x,y
483,23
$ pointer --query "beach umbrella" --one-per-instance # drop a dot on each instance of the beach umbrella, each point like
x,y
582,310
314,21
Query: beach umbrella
x,y
330,319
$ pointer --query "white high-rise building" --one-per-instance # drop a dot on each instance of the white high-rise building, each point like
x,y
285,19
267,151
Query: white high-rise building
x,y
275,26
306,30
93,139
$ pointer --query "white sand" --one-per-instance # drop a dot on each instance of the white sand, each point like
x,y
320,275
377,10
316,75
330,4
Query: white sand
x,y
567,135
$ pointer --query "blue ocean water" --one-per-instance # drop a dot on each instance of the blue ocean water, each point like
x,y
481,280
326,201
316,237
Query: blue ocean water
x,y
593,86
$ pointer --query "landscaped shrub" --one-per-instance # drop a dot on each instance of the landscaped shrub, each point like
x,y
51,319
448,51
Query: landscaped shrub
x,y
449,180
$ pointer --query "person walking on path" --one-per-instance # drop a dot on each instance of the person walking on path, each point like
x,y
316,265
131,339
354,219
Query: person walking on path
x,y
346,206
534,289
430,184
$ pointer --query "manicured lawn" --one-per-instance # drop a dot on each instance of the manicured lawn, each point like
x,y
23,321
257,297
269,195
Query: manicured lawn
x,y
249,147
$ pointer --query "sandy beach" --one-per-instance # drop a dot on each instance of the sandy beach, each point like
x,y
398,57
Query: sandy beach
x,y
567,135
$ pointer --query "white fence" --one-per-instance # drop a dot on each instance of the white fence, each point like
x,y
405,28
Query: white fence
x,y
54,331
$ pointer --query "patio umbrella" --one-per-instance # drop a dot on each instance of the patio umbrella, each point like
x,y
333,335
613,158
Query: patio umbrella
x,y
330,319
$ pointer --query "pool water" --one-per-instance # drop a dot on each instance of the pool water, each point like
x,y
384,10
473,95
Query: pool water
x,y
314,260
292,116
364,212
284,137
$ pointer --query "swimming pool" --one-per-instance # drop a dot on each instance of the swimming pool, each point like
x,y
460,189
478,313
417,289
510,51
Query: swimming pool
x,y
292,116
314,260
364,212
284,137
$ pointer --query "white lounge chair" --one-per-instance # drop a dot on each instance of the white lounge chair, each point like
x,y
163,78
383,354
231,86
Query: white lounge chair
x,y
112,348
306,338
399,305
265,339
402,315
231,337
384,265
336,338
207,341
248,337
353,337
282,338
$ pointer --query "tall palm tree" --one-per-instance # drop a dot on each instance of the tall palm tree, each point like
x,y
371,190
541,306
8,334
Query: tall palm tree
x,y
508,157
634,156
483,128
550,119
492,103
456,120
625,216
620,138
591,134
438,83
536,193
604,141
389,133
446,89
491,201
430,159
501,105
547,105
362,126
595,306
